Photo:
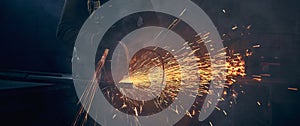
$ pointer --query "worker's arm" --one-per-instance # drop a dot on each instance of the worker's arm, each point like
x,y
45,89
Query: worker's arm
x,y
74,14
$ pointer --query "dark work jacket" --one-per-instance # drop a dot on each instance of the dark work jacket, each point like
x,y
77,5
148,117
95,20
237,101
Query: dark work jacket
x,y
74,14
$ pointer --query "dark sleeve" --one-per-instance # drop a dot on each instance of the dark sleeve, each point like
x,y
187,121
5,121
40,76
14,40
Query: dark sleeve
x,y
74,14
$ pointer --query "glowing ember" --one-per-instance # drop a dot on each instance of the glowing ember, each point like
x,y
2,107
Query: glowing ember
x,y
249,26
234,27
256,46
224,11
225,113
258,103
293,89
257,79
210,123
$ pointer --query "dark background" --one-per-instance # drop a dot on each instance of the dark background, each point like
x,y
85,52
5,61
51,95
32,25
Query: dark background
x,y
28,32
28,43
